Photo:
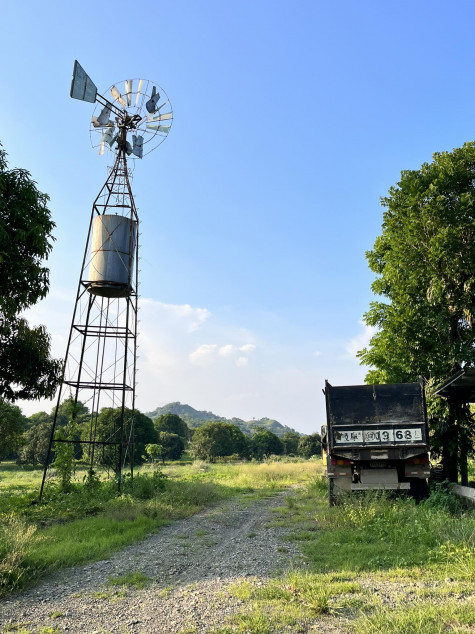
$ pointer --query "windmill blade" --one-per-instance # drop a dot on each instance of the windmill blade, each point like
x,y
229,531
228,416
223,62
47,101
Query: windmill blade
x,y
101,149
102,121
139,91
138,145
151,104
103,118
163,104
128,91
160,117
160,128
116,94
108,136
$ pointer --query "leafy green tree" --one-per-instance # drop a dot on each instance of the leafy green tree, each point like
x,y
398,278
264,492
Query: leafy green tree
x,y
290,440
173,445
38,418
75,418
26,368
173,424
265,443
215,439
12,426
108,429
70,410
36,443
424,260
310,445
154,451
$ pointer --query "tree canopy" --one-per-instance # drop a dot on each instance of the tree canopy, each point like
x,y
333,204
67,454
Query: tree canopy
x,y
264,443
310,445
424,260
214,440
172,424
172,445
290,441
26,369
12,426
107,429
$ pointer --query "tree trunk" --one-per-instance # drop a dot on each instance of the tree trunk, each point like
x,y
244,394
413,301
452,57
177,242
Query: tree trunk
x,y
450,446
463,467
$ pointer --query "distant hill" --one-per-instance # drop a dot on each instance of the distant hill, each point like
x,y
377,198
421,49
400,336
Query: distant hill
x,y
195,418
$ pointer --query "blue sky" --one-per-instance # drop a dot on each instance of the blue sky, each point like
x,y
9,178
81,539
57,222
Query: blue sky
x,y
290,121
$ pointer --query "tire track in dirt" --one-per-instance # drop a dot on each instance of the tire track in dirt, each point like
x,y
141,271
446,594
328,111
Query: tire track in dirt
x,y
190,563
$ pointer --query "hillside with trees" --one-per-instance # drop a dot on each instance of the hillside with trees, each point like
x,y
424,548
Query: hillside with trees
x,y
196,418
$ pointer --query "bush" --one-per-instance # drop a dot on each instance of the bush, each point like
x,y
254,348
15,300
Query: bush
x,y
145,487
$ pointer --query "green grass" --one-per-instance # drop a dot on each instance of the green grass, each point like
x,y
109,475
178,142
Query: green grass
x,y
87,525
376,564
135,579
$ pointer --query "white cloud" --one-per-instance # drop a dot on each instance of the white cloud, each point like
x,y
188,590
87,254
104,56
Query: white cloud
x,y
203,353
360,341
226,351
191,318
317,353
188,354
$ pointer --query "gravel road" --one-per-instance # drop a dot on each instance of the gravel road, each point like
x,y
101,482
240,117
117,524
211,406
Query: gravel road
x,y
190,564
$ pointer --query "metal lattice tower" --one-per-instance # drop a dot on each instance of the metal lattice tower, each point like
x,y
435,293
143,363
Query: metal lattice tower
x,y
101,356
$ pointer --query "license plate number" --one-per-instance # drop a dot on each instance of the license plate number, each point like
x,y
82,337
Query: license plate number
x,y
379,436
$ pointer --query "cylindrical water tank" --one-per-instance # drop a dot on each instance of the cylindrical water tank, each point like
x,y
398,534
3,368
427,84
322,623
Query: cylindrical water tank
x,y
112,255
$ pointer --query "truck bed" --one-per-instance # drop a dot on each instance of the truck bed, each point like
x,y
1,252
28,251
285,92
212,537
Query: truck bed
x,y
371,421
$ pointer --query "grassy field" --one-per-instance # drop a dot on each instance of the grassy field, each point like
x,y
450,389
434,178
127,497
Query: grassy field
x,y
87,524
373,565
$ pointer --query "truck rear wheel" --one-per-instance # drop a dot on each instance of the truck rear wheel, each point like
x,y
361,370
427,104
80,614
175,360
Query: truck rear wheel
x,y
419,489
331,492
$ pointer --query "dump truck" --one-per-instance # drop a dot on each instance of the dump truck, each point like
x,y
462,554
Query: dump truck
x,y
376,437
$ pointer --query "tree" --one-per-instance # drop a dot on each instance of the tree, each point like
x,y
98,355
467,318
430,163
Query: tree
x,y
70,410
36,443
12,426
173,424
108,428
38,418
173,445
310,445
290,440
215,439
425,263
264,443
26,369
154,451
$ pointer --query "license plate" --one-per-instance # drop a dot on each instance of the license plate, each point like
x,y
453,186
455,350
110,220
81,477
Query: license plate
x,y
378,436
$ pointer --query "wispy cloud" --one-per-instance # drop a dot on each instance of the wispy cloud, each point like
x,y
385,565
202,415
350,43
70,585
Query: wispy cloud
x,y
360,341
203,353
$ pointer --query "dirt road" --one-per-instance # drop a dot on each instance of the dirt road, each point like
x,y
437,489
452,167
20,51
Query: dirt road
x,y
190,565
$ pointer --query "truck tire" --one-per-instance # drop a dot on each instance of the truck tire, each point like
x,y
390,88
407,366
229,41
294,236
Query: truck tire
x,y
419,489
331,492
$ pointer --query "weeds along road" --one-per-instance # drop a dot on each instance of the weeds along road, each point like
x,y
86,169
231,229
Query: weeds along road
x,y
185,570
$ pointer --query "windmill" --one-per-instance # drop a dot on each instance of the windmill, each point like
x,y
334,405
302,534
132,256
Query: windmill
x,y
100,364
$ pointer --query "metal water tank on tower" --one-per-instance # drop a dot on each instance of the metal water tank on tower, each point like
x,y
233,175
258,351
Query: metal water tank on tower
x,y
112,255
